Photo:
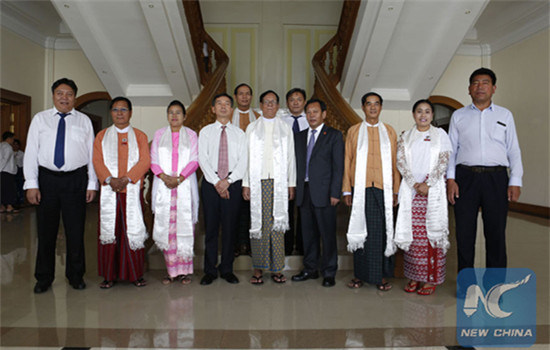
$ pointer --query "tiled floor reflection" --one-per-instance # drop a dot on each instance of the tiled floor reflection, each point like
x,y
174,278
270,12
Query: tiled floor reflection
x,y
294,315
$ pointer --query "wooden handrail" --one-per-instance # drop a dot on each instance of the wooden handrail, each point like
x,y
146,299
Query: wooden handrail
x,y
212,62
328,64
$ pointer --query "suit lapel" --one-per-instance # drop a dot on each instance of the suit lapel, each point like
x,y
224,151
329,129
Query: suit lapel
x,y
321,139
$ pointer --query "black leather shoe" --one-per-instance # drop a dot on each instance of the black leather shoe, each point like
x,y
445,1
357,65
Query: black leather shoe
x,y
328,282
208,279
230,277
41,287
79,285
304,276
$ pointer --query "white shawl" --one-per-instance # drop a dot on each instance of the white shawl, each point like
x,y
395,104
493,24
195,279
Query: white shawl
x,y
236,120
437,222
281,133
357,229
135,227
187,197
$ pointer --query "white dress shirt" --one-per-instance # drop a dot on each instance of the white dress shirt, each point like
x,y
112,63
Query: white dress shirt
x,y
302,121
41,139
7,159
209,149
485,138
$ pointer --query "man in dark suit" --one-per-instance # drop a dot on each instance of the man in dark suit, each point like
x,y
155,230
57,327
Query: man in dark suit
x,y
320,168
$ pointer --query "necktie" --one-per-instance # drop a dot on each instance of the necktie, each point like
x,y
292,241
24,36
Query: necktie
x,y
59,154
309,150
223,162
296,126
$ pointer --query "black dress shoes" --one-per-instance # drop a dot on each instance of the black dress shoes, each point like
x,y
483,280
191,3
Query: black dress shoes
x,y
304,276
208,279
230,277
41,287
78,285
328,282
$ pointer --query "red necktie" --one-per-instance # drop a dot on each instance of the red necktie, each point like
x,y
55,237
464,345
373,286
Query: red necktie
x,y
223,162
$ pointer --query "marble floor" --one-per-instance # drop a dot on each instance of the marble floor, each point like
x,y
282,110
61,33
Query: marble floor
x,y
292,315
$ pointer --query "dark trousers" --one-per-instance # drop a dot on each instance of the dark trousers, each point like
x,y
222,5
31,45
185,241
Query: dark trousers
x,y
225,212
62,195
369,263
488,191
7,188
319,225
293,237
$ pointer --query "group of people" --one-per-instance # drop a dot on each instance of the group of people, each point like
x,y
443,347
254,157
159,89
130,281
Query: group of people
x,y
273,160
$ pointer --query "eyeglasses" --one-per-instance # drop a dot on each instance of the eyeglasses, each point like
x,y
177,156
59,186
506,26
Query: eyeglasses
x,y
123,110
270,102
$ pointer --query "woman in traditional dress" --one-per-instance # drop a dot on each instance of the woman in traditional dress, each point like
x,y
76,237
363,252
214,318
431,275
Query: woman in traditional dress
x,y
422,222
175,202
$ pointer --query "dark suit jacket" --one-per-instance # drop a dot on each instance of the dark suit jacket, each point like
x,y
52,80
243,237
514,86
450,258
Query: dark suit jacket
x,y
326,166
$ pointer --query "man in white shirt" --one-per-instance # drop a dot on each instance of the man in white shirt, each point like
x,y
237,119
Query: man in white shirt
x,y
269,183
296,119
223,160
60,180
485,145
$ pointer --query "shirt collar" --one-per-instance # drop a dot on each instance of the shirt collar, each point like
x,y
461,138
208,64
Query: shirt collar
x,y
474,107
219,125
372,125
122,131
71,112
318,129
243,112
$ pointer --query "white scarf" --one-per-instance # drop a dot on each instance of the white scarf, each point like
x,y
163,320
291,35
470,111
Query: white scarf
x,y
281,133
237,116
135,227
437,225
357,229
187,197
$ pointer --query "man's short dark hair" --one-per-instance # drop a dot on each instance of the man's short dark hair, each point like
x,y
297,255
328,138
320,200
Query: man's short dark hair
x,y
241,85
316,100
295,90
223,94
120,98
6,135
484,71
176,103
368,94
268,92
65,81
17,142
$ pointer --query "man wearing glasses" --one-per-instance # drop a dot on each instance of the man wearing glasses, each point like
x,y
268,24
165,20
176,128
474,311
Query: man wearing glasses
x,y
269,184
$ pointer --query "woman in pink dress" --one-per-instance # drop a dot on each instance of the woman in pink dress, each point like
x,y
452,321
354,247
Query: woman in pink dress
x,y
175,202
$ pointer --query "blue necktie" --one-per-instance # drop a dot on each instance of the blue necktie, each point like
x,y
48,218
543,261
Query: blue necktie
x,y
59,155
309,150
296,126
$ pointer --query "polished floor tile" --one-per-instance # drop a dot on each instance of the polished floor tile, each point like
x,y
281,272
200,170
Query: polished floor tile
x,y
297,315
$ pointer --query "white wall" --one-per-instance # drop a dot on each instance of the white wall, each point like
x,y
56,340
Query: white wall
x,y
272,44
22,68
523,87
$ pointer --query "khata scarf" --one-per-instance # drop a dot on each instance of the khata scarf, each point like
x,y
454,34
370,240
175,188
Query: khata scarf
x,y
357,229
187,197
281,133
135,227
437,222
